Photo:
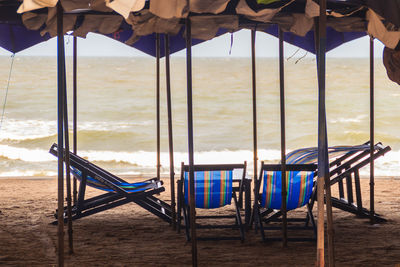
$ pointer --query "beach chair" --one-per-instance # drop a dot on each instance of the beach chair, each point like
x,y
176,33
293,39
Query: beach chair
x,y
117,191
344,170
213,189
345,164
267,205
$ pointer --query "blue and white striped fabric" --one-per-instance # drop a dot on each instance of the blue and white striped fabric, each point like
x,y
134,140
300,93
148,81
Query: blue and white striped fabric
x,y
128,187
213,189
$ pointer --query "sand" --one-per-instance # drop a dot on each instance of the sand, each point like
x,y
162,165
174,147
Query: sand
x,y
130,236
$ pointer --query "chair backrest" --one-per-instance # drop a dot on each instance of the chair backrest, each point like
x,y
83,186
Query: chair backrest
x,y
212,184
310,154
95,183
299,184
99,178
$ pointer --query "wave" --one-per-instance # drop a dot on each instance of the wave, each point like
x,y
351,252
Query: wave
x,y
356,119
24,154
14,130
38,162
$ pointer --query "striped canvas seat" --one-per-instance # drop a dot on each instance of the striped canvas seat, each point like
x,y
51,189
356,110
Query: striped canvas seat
x,y
299,189
128,187
213,189
299,183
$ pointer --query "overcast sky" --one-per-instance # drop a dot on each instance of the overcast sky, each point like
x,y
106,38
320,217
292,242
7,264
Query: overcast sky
x,y
266,46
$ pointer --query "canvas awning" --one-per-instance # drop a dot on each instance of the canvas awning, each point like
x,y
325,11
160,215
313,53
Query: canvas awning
x,y
15,37
140,19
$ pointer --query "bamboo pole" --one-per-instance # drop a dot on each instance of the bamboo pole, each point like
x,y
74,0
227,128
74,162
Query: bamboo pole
x,y
158,102
372,131
60,110
254,90
283,137
67,169
254,102
254,95
170,133
75,111
190,141
320,182
323,159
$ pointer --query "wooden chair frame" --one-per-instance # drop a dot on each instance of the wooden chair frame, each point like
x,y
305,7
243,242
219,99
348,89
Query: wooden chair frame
x,y
265,216
185,209
118,195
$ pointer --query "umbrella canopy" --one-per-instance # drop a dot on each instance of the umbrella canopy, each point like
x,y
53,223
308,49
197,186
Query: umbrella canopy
x,y
244,14
388,9
147,43
334,38
14,36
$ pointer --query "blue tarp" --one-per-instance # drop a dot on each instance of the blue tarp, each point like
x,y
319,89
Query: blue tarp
x,y
334,38
14,37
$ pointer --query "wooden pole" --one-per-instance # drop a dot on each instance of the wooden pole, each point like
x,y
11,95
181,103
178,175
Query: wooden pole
x,y
75,111
67,168
283,138
372,131
323,158
60,110
320,181
170,134
158,102
254,95
190,141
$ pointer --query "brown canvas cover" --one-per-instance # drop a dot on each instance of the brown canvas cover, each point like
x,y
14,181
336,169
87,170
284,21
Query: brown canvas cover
x,y
391,60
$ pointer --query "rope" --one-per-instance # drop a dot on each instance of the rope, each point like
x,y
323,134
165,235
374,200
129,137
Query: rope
x,y
8,85
290,57
230,49
297,61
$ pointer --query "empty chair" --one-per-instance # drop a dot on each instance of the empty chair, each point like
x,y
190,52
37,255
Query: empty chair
x,y
345,163
268,204
116,191
214,188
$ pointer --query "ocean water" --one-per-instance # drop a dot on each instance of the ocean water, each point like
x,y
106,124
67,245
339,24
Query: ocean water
x,y
116,112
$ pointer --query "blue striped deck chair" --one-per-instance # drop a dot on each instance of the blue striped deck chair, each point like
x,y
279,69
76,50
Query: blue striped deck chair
x,y
116,191
214,189
345,163
299,183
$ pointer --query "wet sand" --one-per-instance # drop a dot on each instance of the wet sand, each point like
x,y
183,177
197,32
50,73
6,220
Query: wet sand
x,y
130,236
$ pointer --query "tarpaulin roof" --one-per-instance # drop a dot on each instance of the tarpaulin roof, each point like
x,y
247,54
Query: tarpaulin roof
x,y
14,36
147,44
210,18
388,9
334,38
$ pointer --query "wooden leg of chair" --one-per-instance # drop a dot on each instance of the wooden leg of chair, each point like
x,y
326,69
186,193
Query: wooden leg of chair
x,y
186,211
307,219
247,204
311,216
358,191
260,223
238,218
179,219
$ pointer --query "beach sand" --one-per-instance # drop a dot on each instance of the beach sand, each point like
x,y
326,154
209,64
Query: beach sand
x,y
130,236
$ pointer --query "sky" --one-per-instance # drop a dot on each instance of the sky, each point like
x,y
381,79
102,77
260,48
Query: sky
x,y
266,46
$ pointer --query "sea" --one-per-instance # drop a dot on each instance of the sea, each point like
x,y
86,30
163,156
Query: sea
x,y
117,111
